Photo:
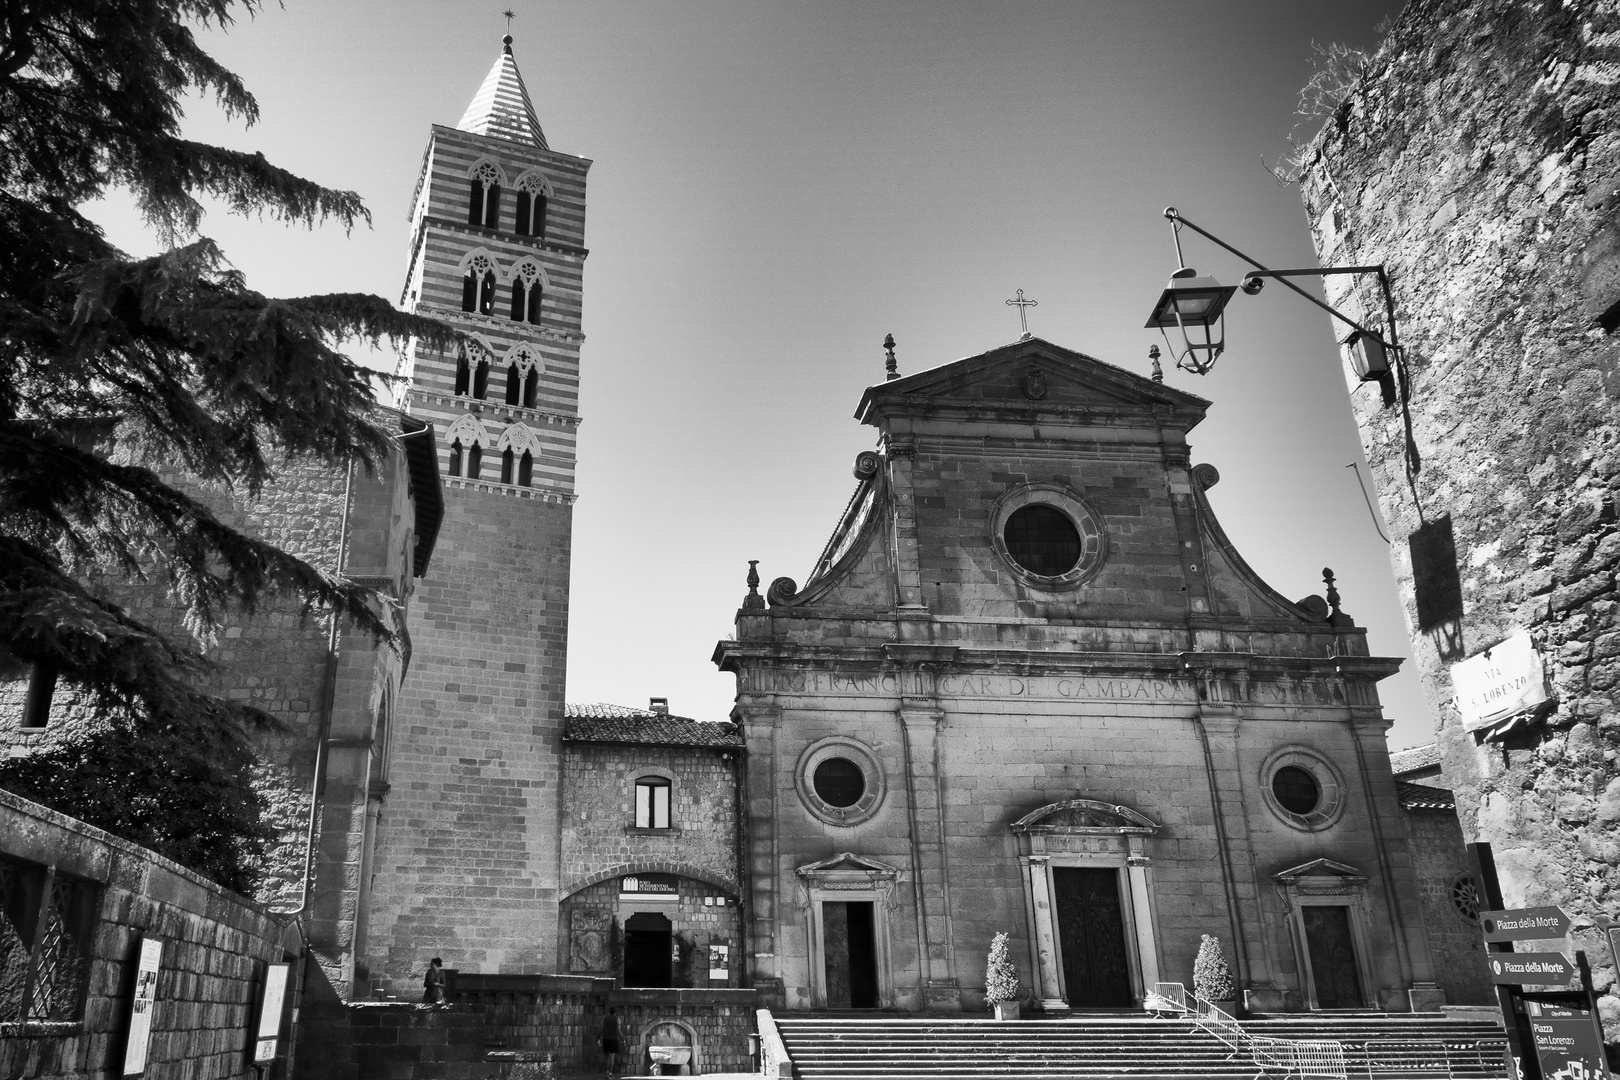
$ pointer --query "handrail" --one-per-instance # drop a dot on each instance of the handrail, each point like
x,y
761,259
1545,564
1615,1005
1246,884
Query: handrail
x,y
773,1056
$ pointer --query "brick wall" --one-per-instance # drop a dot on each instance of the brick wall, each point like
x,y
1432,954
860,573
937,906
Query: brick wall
x,y
216,948
1479,160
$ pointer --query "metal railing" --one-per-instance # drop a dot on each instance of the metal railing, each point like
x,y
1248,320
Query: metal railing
x,y
1334,1059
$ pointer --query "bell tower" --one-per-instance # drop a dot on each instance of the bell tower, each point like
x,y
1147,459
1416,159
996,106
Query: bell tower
x,y
468,851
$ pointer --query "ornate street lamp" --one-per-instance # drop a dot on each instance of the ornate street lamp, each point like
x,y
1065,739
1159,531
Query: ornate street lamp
x,y
1196,306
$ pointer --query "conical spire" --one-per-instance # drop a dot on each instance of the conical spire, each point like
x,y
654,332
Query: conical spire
x,y
501,107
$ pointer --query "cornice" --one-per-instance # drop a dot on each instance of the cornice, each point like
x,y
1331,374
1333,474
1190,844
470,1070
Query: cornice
x,y
496,322
493,409
533,243
566,498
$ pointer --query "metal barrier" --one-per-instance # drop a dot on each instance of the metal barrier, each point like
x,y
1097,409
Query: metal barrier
x,y
1486,1057
1166,998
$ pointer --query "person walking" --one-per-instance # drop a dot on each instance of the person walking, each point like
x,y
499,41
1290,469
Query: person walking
x,y
433,983
610,1041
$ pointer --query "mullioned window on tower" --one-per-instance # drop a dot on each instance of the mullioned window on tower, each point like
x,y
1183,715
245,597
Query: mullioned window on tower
x,y
522,389
484,199
478,289
531,213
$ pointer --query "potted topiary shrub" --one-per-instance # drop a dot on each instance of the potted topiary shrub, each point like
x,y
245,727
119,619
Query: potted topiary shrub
x,y
1212,979
1001,980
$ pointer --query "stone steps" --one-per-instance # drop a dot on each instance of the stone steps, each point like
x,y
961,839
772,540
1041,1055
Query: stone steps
x,y
880,1047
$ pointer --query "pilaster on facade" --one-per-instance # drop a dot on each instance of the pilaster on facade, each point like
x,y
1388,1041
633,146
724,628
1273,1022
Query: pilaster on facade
x,y
921,733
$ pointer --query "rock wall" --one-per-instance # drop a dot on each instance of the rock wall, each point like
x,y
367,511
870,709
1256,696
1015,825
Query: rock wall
x,y
1479,159
216,948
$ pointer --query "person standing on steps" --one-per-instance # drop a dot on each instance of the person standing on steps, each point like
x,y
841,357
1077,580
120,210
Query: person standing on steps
x,y
433,983
610,1041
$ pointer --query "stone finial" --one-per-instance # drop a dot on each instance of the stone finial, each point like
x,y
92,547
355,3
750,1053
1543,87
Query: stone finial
x,y
1336,617
1158,371
891,366
753,601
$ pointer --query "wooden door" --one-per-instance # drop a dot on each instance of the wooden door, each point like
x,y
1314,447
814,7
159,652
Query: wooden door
x,y
1091,935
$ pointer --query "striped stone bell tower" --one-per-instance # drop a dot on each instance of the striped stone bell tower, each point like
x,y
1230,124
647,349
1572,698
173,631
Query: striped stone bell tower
x,y
467,854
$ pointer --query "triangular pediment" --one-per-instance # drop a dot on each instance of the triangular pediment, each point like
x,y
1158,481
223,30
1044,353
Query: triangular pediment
x,y
846,862
1319,868
1086,816
1031,374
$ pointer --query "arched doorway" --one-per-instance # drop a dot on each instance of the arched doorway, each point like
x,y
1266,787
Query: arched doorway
x,y
649,942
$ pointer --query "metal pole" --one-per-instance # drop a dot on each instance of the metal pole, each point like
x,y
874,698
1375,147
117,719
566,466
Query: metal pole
x,y
1522,1064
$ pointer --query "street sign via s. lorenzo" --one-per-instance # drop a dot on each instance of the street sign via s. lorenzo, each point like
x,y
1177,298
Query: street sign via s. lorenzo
x,y
1524,924
1531,968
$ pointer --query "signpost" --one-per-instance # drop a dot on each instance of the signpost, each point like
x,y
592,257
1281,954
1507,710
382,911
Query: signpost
x,y
1521,1065
1569,1042
1531,969
1524,924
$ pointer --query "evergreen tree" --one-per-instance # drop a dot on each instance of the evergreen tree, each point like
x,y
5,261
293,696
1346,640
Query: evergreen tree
x,y
111,365
1212,979
1000,976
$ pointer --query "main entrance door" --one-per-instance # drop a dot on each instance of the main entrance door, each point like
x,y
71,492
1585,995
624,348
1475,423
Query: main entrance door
x,y
1091,935
1333,957
648,941
850,948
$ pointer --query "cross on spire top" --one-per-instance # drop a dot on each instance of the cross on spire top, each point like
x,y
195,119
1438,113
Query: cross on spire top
x,y
1020,303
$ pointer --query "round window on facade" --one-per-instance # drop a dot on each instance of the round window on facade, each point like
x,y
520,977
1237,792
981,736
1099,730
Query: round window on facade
x,y
840,781
1465,898
1302,788
1048,536
1295,789
1042,540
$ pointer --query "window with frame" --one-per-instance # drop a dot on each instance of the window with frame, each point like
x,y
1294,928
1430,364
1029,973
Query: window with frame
x,y
531,205
526,293
484,199
652,802
478,286
455,458
46,922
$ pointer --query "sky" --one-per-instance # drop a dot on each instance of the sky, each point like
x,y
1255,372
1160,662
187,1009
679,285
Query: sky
x,y
775,187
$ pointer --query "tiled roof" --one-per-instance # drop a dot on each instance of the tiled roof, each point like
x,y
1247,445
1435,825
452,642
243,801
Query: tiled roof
x,y
502,107
604,723
1418,757
1423,797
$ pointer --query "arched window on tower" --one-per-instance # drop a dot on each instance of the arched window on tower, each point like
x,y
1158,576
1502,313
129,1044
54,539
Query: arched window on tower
x,y
478,286
532,200
463,373
475,461
531,389
527,290
525,469
484,198
506,465
480,386
514,384
455,458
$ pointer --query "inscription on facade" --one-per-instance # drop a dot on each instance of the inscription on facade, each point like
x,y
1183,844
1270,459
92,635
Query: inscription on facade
x,y
954,685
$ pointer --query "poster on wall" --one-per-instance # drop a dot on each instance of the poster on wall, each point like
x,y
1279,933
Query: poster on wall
x,y
275,992
140,1009
719,961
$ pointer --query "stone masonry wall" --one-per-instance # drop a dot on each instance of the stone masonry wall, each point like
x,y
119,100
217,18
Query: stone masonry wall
x,y
1480,160
1436,844
598,833
467,863
216,947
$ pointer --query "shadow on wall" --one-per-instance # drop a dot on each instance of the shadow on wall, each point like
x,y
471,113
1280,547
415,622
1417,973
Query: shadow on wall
x,y
1438,585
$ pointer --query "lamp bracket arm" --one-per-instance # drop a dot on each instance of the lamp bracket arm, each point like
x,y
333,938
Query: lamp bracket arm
x,y
1328,271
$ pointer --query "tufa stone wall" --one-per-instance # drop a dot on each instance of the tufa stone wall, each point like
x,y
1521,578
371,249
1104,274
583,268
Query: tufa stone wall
x,y
599,834
216,948
1436,843
467,863
1480,161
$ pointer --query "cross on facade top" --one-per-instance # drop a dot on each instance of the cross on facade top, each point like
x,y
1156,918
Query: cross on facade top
x,y
510,15
1020,303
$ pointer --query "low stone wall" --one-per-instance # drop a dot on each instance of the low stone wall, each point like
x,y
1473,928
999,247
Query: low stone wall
x,y
77,903
498,1026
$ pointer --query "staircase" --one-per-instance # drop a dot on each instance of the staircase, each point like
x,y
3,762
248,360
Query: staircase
x,y
839,1047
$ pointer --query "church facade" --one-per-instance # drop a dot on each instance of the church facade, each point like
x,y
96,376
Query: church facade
x,y
1030,687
